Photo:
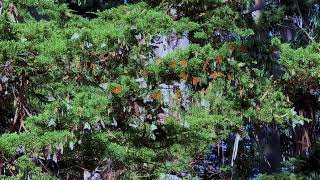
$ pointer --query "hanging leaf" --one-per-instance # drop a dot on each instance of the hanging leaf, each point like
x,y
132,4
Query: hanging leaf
x,y
153,136
52,123
86,175
153,127
186,124
241,64
60,147
71,145
4,79
235,148
142,83
75,36
87,126
55,158
204,103
50,98
114,123
104,86
134,126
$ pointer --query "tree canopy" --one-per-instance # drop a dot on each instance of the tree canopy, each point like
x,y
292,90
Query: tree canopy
x,y
159,89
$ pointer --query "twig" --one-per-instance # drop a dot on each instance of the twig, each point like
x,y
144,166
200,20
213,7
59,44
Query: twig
x,y
28,113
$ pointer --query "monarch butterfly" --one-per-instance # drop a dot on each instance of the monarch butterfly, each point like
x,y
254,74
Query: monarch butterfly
x,y
195,80
219,59
117,89
216,75
156,95
184,63
173,64
183,76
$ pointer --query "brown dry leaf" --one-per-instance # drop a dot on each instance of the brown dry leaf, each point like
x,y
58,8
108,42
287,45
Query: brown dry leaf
x,y
184,63
219,59
195,80
117,89
184,76
1,88
204,67
156,95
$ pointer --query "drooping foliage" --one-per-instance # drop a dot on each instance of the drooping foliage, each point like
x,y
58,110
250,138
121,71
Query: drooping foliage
x,y
140,89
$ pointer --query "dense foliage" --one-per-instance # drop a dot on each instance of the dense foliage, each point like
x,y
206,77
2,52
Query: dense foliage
x,y
141,89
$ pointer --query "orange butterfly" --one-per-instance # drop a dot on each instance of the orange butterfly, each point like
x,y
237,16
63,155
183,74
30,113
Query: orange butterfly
x,y
184,63
184,76
93,66
195,80
156,95
144,72
216,75
173,64
219,59
117,89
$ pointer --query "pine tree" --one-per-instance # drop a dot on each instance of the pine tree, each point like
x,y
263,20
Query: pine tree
x,y
93,89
